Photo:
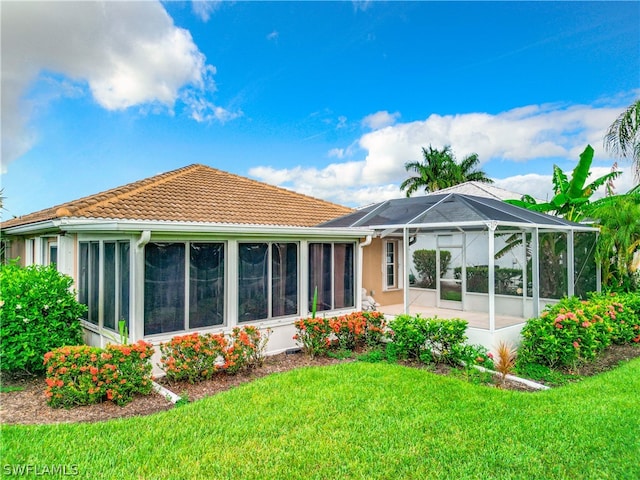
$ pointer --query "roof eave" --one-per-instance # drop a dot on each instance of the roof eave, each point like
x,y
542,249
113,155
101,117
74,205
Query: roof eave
x,y
485,224
44,226
80,225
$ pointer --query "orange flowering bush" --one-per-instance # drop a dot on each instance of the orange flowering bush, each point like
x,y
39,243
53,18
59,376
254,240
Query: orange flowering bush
x,y
357,330
83,375
313,335
246,348
353,331
195,357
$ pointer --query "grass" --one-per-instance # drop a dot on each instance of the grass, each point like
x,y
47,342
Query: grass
x,y
10,388
360,420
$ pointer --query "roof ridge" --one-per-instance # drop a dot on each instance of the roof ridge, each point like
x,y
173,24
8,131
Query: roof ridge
x,y
137,187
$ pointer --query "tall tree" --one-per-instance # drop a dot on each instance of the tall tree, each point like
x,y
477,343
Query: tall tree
x,y
619,240
439,169
623,137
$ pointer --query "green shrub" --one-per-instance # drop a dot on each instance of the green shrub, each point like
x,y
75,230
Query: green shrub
x,y
408,337
574,331
429,340
83,375
623,311
38,313
425,263
478,279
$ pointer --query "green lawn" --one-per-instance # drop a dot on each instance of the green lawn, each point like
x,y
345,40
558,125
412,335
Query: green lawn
x,y
364,421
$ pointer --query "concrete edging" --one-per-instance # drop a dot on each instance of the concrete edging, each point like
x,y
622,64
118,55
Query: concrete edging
x,y
168,394
524,381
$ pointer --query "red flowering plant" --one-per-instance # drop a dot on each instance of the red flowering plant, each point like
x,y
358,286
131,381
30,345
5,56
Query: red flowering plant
x,y
313,335
83,375
353,331
247,345
574,331
621,313
195,357
358,330
563,336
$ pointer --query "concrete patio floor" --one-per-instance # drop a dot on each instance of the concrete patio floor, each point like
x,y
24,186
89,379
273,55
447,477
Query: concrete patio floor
x,y
475,319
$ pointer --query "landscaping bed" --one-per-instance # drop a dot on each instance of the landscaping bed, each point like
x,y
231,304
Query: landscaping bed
x,y
29,406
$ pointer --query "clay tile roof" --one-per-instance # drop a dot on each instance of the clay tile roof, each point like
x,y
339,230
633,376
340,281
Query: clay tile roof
x,y
196,193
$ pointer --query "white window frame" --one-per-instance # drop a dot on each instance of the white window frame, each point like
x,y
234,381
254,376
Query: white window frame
x,y
270,315
396,263
187,288
101,280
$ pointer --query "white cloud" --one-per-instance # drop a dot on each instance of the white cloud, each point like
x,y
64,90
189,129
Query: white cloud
x,y
127,54
334,183
273,35
380,119
534,132
337,152
204,8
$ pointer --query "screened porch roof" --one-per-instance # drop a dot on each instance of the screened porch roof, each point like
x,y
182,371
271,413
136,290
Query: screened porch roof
x,y
450,211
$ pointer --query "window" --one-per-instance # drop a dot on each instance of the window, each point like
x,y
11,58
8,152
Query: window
x,y
104,268
170,277
267,280
49,251
331,271
206,284
391,264
53,254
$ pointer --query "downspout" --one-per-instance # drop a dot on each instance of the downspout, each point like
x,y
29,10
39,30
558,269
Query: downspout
x,y
366,243
145,236
136,321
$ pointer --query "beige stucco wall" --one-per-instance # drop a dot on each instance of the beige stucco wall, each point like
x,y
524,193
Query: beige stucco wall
x,y
372,275
15,248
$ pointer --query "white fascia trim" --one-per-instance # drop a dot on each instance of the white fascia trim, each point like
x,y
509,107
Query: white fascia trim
x,y
483,223
38,227
97,225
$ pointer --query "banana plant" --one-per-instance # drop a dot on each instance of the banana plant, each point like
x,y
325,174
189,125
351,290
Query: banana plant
x,y
572,198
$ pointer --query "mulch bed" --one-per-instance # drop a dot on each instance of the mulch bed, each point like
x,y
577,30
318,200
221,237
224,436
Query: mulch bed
x,y
29,406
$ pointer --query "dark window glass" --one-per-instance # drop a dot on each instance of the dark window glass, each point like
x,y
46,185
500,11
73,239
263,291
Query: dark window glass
x,y
109,288
206,285
343,275
284,279
320,275
53,254
253,281
164,284
83,277
123,313
94,282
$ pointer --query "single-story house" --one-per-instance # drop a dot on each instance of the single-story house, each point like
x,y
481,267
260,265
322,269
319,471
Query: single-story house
x,y
199,249
195,249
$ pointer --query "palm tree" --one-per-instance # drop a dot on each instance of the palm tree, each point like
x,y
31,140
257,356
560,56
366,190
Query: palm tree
x,y
439,170
623,137
619,239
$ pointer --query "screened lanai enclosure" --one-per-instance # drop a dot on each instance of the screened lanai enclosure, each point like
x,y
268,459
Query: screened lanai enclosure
x,y
480,259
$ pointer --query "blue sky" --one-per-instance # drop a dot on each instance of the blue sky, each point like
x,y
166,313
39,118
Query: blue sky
x,y
325,98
